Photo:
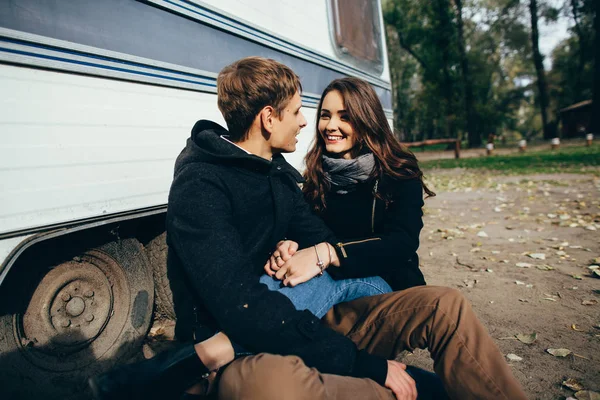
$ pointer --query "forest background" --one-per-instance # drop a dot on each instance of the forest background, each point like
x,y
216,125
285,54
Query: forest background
x,y
468,68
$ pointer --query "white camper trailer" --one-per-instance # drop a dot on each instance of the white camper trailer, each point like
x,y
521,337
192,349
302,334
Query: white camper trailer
x,y
98,98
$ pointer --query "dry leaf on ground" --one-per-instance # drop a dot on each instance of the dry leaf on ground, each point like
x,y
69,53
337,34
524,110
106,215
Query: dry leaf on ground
x,y
537,256
544,267
523,265
587,395
573,384
559,352
526,338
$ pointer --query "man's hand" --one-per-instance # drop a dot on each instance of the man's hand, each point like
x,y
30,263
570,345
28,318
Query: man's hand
x,y
398,380
283,252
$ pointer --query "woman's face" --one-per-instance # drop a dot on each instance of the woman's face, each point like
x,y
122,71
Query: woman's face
x,y
334,126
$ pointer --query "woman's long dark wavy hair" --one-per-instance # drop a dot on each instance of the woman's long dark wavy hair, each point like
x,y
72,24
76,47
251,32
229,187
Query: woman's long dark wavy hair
x,y
371,127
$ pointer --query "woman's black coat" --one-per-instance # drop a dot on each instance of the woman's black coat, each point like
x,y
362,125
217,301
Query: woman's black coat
x,y
378,236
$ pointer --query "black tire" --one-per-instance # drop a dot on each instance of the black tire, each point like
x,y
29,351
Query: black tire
x,y
77,319
163,297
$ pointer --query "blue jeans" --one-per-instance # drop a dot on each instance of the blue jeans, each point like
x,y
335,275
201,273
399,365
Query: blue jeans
x,y
321,293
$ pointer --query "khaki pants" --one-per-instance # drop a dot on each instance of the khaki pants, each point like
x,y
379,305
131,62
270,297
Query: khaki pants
x,y
438,318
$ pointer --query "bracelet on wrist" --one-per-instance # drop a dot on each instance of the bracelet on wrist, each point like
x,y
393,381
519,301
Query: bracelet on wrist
x,y
320,263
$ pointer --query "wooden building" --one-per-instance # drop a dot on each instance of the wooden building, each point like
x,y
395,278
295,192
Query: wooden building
x,y
576,119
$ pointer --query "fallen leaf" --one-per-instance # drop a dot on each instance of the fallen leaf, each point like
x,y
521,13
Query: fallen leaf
x,y
587,395
537,256
593,267
514,357
544,267
519,283
559,352
573,384
526,338
548,298
575,328
523,265
589,302
578,277
482,234
596,273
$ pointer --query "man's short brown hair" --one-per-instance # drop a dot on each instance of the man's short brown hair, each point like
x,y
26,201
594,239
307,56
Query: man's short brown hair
x,y
250,84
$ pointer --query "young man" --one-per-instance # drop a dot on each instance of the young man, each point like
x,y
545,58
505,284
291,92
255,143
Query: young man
x,y
232,199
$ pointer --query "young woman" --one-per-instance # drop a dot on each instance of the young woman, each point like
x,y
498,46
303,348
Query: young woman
x,y
369,191
366,186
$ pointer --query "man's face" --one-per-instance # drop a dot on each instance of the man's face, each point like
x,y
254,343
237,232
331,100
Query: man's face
x,y
288,126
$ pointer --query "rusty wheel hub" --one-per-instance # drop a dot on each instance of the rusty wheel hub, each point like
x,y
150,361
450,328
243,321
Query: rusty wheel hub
x,y
70,310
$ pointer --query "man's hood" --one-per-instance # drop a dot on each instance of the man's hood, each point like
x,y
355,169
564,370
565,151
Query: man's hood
x,y
206,145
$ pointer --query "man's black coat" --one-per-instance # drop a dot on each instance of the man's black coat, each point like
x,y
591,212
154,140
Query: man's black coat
x,y
227,210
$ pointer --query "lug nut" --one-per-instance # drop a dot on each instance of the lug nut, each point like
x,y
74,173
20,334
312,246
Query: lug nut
x,y
65,297
65,323
89,293
89,317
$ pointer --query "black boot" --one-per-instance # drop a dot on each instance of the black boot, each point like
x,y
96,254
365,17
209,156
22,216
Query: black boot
x,y
165,376
429,385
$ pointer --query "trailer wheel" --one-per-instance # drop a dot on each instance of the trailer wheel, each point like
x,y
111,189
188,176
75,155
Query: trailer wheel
x,y
84,316
157,254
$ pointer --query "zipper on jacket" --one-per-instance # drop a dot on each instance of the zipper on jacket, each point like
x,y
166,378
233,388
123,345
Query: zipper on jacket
x,y
374,202
341,245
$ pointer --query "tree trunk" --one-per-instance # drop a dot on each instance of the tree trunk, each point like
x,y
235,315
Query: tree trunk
x,y
472,134
444,46
539,68
582,46
595,119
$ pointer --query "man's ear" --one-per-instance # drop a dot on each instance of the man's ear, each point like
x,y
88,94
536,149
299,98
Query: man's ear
x,y
267,116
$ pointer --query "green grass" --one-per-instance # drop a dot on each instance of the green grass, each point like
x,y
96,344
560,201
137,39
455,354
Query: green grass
x,y
432,147
578,159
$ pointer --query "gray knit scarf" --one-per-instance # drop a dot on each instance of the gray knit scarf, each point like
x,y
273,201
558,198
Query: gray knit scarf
x,y
343,175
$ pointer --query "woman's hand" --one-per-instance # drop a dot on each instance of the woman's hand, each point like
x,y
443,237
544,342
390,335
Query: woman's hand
x,y
284,251
302,266
400,382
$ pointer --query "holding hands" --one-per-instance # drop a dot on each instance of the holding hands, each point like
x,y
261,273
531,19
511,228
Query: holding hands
x,y
293,266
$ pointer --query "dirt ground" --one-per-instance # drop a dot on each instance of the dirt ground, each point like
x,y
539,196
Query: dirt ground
x,y
520,249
